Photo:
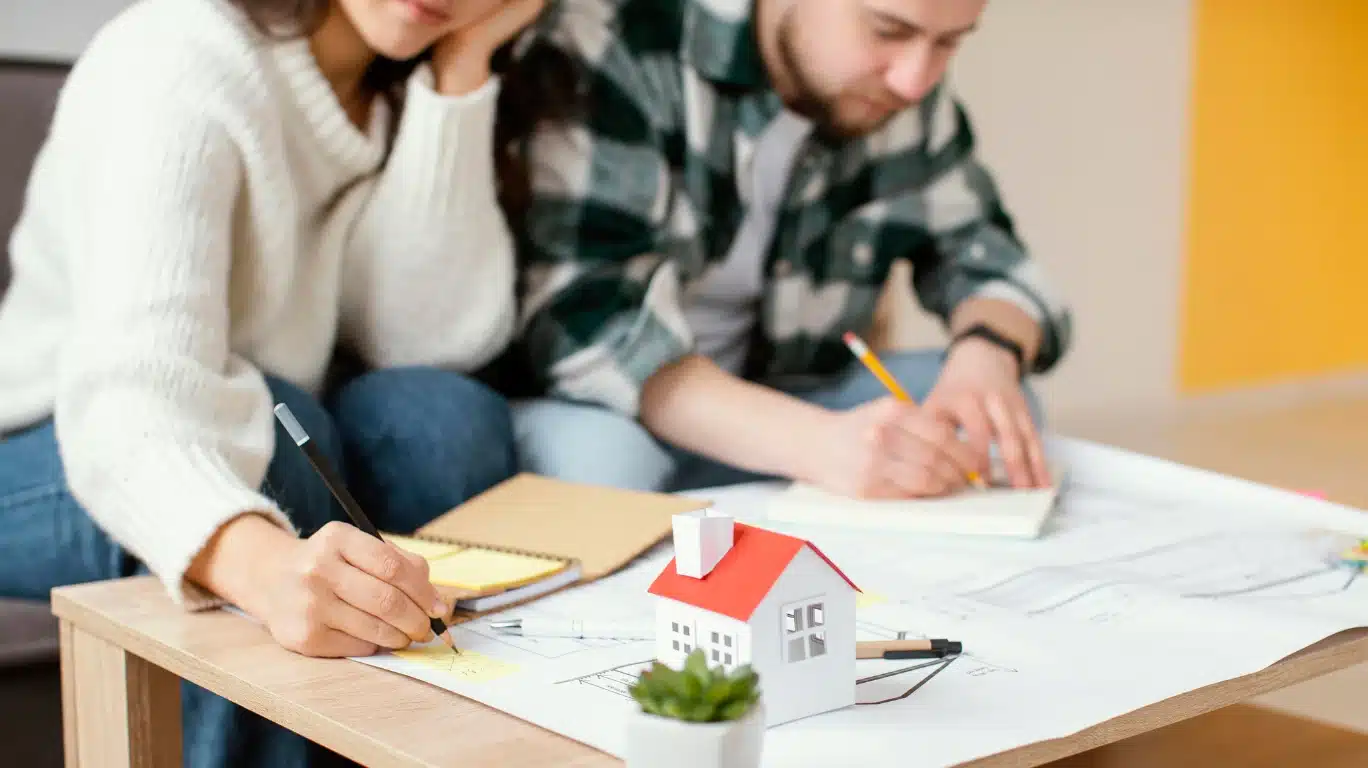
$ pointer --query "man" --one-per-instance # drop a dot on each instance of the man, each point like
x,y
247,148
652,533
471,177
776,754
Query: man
x,y
741,178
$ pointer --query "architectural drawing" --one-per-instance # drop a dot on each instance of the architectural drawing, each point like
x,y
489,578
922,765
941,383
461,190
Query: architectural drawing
x,y
1145,555
617,680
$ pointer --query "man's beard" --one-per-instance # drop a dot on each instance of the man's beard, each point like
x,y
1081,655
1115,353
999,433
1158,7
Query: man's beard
x,y
807,100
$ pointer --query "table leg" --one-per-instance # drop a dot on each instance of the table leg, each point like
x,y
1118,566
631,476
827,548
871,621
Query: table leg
x,y
117,709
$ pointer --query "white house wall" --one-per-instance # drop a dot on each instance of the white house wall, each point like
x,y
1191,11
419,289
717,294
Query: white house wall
x,y
701,624
793,691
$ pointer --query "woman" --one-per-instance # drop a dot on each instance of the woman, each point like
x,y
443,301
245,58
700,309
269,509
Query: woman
x,y
231,190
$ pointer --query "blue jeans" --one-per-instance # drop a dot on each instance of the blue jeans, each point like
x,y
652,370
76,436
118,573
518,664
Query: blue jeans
x,y
590,444
413,443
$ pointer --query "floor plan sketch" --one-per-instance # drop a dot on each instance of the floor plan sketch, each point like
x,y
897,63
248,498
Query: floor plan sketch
x,y
617,681
545,647
1265,565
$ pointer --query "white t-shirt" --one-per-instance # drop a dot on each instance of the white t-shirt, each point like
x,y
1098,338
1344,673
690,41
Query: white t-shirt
x,y
721,305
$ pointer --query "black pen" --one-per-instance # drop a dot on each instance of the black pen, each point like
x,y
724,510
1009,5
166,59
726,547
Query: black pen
x,y
339,492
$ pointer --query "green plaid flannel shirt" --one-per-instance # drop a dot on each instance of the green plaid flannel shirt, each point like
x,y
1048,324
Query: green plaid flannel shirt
x,y
633,199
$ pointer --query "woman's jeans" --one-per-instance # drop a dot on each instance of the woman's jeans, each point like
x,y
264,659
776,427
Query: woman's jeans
x,y
413,443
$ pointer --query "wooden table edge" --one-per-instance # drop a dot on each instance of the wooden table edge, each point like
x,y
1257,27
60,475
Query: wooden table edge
x,y
1333,653
311,724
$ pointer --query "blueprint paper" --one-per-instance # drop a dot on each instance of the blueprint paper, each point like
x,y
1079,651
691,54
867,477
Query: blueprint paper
x,y
1150,580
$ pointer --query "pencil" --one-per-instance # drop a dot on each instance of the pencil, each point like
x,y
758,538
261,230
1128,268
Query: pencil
x,y
339,492
865,355
907,649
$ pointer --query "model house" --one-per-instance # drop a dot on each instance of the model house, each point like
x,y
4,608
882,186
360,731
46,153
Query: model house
x,y
747,595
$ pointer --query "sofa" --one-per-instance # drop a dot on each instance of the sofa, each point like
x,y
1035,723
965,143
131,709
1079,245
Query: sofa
x,y
30,683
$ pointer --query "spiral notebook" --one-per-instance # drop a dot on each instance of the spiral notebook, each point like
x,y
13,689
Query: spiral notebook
x,y
532,535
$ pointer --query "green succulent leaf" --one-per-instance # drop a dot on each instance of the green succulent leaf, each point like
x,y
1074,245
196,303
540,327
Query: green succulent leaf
x,y
735,710
697,692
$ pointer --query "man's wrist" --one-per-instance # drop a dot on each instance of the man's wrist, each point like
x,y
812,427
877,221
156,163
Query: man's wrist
x,y
986,337
1004,319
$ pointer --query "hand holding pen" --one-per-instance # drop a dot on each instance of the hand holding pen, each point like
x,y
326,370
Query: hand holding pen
x,y
349,591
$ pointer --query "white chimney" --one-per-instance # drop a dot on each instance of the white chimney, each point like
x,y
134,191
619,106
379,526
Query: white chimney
x,y
701,539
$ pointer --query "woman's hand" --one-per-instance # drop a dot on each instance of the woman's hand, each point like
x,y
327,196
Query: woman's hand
x,y
340,592
461,60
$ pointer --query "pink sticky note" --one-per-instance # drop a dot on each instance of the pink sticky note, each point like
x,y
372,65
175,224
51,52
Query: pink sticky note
x,y
1314,494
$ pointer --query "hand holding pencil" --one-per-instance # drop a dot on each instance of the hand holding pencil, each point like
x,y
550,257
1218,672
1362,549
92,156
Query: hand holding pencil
x,y
344,590
889,448
984,399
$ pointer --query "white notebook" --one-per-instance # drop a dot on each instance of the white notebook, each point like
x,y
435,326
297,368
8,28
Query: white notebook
x,y
993,511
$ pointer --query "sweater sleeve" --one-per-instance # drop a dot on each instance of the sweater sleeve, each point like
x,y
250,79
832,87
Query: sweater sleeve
x,y
430,262
165,434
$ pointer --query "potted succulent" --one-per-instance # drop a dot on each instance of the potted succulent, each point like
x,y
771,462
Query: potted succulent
x,y
697,716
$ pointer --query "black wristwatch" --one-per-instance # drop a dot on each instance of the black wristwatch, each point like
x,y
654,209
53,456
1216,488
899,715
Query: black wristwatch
x,y
986,333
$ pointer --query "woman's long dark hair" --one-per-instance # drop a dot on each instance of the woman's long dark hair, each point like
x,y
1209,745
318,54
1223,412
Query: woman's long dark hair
x,y
537,87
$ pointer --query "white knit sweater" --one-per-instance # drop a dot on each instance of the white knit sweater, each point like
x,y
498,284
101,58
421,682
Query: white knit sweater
x,y
204,212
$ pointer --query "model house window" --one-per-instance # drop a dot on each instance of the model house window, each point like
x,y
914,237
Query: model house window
x,y
720,648
683,640
804,630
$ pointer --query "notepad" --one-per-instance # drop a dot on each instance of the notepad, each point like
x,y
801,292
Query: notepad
x,y
531,535
993,511
475,568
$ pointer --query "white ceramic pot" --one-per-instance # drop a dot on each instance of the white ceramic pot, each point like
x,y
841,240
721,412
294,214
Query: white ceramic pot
x,y
662,742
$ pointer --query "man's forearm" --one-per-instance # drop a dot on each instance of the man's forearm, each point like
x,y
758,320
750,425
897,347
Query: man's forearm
x,y
1002,316
697,406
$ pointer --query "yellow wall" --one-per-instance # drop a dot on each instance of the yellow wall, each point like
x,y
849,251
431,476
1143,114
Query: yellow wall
x,y
1276,279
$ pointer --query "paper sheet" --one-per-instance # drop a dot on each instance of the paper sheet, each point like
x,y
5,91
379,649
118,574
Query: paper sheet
x,y
467,665
998,510
1150,581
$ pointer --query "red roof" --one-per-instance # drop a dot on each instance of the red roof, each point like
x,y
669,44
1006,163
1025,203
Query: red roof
x,y
744,576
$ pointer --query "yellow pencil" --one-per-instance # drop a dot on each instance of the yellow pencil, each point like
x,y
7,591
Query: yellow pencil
x,y
866,356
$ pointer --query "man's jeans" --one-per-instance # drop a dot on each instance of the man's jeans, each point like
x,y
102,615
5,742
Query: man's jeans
x,y
586,443
413,443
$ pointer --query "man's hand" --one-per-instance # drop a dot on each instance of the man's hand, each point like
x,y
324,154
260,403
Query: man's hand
x,y
888,449
979,391
461,60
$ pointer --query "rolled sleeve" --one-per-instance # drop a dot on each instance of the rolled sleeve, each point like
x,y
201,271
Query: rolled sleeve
x,y
978,253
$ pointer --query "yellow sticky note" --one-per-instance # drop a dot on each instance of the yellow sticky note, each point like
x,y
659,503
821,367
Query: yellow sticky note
x,y
478,569
467,665
428,550
865,599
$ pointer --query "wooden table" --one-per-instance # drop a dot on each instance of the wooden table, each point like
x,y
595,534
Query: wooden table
x,y
125,647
